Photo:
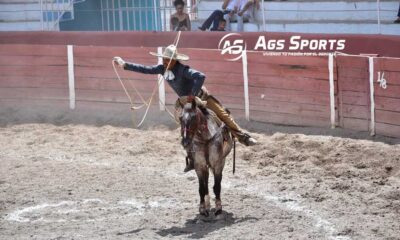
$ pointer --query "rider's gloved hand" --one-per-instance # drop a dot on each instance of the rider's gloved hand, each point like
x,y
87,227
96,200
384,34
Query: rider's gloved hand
x,y
119,61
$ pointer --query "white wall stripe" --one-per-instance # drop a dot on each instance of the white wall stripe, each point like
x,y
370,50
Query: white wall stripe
x,y
246,86
161,84
372,97
331,90
71,76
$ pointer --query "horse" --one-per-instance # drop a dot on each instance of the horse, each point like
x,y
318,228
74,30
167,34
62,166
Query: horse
x,y
207,141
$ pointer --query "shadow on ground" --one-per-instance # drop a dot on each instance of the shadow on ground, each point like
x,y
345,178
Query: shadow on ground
x,y
201,226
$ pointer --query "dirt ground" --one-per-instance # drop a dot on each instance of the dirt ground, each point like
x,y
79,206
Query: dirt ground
x,y
87,182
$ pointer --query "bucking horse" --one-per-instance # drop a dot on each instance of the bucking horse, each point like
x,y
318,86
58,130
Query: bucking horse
x,y
207,142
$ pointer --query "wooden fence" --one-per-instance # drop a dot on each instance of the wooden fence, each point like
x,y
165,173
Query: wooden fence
x,y
287,90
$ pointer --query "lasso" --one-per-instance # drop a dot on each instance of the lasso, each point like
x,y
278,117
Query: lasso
x,y
144,102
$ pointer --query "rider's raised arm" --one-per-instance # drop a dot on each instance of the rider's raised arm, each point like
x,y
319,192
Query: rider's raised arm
x,y
155,69
198,79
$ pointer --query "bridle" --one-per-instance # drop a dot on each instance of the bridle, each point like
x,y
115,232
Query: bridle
x,y
201,124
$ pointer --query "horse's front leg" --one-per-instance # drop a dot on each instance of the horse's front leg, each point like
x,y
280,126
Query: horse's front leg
x,y
201,168
217,162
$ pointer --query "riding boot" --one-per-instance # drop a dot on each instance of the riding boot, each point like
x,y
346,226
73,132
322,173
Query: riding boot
x,y
244,138
225,116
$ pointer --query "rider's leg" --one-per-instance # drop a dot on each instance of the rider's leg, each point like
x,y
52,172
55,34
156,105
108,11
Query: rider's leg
x,y
222,114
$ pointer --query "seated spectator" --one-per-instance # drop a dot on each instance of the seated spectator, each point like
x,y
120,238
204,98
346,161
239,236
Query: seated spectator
x,y
180,20
398,16
218,15
221,26
243,12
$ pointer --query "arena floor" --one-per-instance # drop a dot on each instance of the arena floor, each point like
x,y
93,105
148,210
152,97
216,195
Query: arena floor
x,y
86,182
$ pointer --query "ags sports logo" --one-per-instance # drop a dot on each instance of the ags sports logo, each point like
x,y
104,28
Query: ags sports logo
x,y
233,46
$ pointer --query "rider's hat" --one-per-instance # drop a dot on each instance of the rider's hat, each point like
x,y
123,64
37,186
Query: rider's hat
x,y
171,52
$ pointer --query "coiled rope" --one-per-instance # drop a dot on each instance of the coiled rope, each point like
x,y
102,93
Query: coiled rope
x,y
144,102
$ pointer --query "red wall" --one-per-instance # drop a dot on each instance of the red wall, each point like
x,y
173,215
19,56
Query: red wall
x,y
384,45
284,90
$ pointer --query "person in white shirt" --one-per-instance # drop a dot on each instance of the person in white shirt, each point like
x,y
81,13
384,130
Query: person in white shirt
x,y
240,11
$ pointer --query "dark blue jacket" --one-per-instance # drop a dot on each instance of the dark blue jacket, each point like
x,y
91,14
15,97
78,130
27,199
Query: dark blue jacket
x,y
187,81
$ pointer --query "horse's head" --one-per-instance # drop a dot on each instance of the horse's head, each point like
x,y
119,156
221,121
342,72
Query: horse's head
x,y
189,123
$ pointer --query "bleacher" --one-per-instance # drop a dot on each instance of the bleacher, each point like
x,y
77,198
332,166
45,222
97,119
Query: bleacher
x,y
305,16
26,15
317,16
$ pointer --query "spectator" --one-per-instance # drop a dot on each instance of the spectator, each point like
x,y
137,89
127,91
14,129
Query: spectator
x,y
243,12
180,20
218,15
398,16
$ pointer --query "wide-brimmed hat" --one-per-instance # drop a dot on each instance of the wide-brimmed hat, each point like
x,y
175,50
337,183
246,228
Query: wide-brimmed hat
x,y
172,53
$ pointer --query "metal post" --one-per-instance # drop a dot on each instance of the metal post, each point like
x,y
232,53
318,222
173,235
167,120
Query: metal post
x,y
47,15
41,14
140,15
146,14
263,15
113,11
52,14
134,16
155,15
127,15
378,7
121,22
108,16
165,17
102,15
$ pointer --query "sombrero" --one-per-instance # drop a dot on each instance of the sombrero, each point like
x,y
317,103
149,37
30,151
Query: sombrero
x,y
171,52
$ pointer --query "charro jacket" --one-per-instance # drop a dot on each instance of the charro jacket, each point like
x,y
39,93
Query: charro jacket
x,y
187,81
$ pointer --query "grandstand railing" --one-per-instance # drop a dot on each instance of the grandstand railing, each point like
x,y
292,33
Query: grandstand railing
x,y
154,15
122,15
262,16
55,11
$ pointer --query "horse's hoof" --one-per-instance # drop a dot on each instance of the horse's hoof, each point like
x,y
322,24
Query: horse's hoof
x,y
204,212
218,207
217,212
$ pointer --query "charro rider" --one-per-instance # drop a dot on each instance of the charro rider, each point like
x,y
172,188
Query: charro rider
x,y
186,81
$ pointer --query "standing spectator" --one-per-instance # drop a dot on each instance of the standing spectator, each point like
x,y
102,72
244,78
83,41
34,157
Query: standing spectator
x,y
243,12
180,20
218,15
398,16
